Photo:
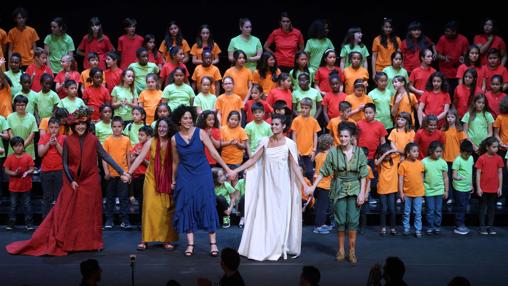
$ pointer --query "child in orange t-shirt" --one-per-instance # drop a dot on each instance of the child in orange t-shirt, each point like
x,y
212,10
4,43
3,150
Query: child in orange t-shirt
x,y
5,93
325,142
228,101
358,99
354,72
86,79
267,72
333,124
209,70
241,75
501,124
305,129
150,98
118,147
420,75
402,134
38,68
411,188
22,38
403,100
234,140
452,137
387,185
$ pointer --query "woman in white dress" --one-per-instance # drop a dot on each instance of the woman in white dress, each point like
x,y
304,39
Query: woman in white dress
x,y
273,209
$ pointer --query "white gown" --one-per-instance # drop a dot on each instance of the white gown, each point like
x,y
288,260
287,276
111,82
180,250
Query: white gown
x,y
273,209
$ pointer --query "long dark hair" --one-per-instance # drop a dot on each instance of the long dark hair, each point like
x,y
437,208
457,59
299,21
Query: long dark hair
x,y
467,61
349,39
199,40
95,21
392,38
201,123
263,67
296,67
148,38
422,42
168,39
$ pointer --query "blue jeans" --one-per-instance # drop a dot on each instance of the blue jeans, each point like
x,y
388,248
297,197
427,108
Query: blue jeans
x,y
387,205
26,200
434,213
461,201
414,204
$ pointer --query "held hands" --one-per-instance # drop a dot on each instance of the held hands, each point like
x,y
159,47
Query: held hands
x,y
231,174
360,199
126,178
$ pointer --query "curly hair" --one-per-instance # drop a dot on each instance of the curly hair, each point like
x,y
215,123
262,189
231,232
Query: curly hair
x,y
179,112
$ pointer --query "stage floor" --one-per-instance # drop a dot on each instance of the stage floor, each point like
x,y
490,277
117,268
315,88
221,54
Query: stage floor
x,y
432,260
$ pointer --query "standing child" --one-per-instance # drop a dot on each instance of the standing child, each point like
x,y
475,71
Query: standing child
x,y
327,68
436,99
234,141
256,96
383,47
428,134
103,126
489,182
387,185
228,101
19,166
413,45
354,72
150,98
58,44
420,75
129,43
124,96
14,73
72,102
224,196
22,38
95,41
267,72
495,94
118,147
31,95
131,130
332,99
494,67
142,68
358,100
86,78
205,100
46,99
411,189
333,124
61,114
382,97
301,66
317,42
402,134
113,74
453,135
282,91
465,91
436,186
208,122
403,100
38,68
174,39
395,69
472,60
371,132
478,121
176,59
178,92
138,177
23,124
325,142
161,111
96,94
353,42
258,128
207,69
154,56
5,92
205,42
463,184
69,71
305,129
50,149
241,75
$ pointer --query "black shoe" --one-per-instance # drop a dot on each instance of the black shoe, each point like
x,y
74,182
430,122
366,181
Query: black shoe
x,y
10,226
108,224
126,225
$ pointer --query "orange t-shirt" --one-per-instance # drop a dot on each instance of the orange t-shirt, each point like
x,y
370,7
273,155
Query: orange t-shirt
x,y
356,102
387,177
406,106
227,103
370,175
351,74
401,138
3,42
5,101
412,172
242,77
118,148
231,154
320,160
163,48
150,99
384,55
43,125
502,123
22,42
87,81
333,127
305,128
452,139
198,52
211,71
266,83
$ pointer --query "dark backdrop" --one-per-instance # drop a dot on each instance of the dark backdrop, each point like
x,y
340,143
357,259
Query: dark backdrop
x,y
222,16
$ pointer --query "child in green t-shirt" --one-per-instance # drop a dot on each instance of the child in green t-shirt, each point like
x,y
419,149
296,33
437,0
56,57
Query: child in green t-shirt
x,y
224,193
257,129
462,169
22,124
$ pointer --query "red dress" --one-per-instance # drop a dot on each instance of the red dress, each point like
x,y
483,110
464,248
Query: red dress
x,y
75,222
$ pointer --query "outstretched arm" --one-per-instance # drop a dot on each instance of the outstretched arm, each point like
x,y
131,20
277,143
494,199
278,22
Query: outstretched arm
x,y
107,158
208,143
251,161
141,157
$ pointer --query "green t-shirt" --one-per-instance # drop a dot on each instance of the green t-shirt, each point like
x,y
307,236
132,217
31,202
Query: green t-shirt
x,y
315,48
311,93
382,101
103,131
58,47
71,104
15,81
433,179
225,190
346,50
123,93
478,128
132,131
464,169
294,80
178,95
22,126
45,102
255,132
391,73
140,73
240,186
4,126
250,47
205,102
31,95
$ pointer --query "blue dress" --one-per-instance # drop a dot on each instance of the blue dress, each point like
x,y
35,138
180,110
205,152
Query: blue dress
x,y
194,191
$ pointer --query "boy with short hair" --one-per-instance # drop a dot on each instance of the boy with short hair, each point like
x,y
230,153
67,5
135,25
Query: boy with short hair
x,y
142,68
333,124
462,169
305,129
129,43
118,147
22,38
93,61
372,132
22,124
71,102
257,128
19,166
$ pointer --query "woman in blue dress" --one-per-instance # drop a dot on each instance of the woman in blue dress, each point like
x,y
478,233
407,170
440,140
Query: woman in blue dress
x,y
193,187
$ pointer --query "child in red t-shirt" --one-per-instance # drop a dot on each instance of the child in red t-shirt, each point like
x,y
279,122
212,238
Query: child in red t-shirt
x,y
333,98
494,67
435,99
19,167
495,94
465,91
256,95
210,124
50,150
489,178
136,188
420,75
428,134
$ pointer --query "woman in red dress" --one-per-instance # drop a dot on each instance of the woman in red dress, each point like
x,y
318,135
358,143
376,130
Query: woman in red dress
x,y
75,222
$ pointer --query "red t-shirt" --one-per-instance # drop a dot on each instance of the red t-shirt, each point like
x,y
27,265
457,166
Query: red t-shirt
x,y
412,57
94,97
453,49
434,102
494,100
52,160
497,43
113,78
141,170
461,98
286,45
101,47
322,77
280,94
168,68
479,71
488,73
332,100
127,48
370,132
489,166
420,76
60,79
250,115
24,163
215,135
423,138
152,59
36,73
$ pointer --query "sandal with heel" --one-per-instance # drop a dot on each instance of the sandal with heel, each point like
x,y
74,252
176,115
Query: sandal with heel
x,y
189,253
214,253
